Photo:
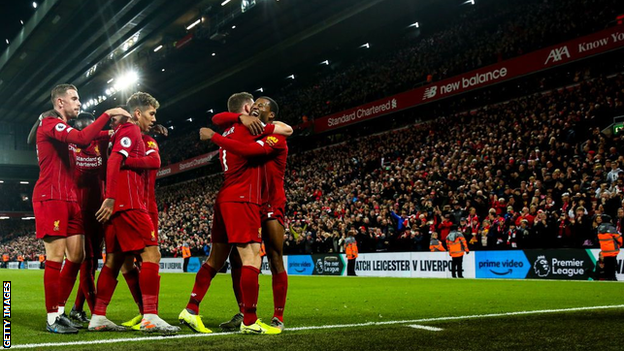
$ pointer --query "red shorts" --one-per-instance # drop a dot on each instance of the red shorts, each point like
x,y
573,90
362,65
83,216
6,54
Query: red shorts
x,y
57,218
236,223
154,217
129,231
270,212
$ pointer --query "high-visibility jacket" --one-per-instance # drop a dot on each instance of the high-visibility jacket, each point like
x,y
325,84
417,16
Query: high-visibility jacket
x,y
610,240
262,250
5,258
351,250
20,258
41,258
436,245
186,252
456,244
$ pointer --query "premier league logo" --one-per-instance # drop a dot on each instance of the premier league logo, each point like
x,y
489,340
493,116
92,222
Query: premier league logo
x,y
541,266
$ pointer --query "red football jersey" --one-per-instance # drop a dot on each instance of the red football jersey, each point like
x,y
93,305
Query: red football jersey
x,y
56,178
126,185
243,179
151,146
275,168
90,172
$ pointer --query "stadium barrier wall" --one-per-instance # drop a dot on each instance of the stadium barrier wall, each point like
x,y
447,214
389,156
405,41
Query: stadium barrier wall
x,y
568,264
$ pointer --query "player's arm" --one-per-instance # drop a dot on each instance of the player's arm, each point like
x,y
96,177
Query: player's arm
x,y
264,147
113,166
226,119
62,132
32,136
282,128
151,160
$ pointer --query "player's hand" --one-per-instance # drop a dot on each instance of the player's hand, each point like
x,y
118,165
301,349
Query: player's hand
x,y
117,111
105,211
252,123
110,132
160,129
206,133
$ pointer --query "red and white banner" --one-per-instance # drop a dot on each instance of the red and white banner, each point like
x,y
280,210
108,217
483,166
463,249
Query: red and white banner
x,y
187,165
593,44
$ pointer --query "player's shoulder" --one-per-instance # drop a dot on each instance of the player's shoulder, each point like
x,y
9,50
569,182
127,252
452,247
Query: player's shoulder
x,y
150,142
275,140
129,129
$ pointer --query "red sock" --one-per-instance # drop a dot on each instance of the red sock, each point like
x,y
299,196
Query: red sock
x,y
236,281
280,288
132,279
148,281
86,290
249,287
106,284
80,298
51,276
202,283
67,280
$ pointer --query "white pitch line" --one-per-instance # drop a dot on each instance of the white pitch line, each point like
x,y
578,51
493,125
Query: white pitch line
x,y
437,319
425,327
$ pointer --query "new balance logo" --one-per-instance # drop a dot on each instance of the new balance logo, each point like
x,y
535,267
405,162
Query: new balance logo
x,y
430,92
557,54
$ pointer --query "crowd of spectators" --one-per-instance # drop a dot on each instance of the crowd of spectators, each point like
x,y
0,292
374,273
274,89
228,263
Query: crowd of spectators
x,y
529,173
17,237
485,34
523,174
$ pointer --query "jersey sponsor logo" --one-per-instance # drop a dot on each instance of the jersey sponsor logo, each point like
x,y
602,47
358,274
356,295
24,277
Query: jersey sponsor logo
x,y
126,142
153,236
272,140
60,127
56,225
152,145
97,150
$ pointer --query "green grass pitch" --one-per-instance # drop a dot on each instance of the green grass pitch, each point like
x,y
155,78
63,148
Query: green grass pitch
x,y
341,307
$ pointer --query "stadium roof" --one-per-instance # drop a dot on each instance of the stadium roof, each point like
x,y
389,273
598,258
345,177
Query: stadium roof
x,y
93,43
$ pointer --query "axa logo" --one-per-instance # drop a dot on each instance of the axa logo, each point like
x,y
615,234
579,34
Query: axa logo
x,y
541,266
430,92
557,54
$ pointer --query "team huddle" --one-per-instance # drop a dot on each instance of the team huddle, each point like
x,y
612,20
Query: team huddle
x,y
96,190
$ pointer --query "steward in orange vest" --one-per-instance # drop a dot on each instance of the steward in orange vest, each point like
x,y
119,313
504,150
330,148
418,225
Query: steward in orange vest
x,y
457,245
5,260
435,245
610,242
351,250
186,254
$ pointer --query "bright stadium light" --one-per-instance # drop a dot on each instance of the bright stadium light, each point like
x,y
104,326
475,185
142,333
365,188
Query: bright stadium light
x,y
193,24
27,218
326,62
260,90
366,45
189,119
225,2
126,80
210,111
471,2
24,182
415,25
34,4
1,181
158,48
4,217
171,127
110,80
292,76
